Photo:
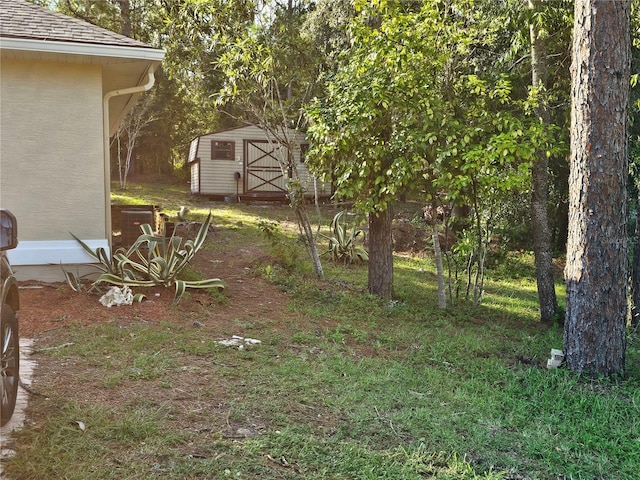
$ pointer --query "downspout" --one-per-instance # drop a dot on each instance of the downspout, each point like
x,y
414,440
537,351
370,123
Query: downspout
x,y
107,154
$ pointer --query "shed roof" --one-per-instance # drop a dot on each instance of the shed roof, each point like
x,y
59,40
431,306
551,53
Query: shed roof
x,y
21,19
246,126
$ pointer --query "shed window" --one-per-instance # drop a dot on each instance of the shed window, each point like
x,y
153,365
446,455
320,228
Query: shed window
x,y
222,150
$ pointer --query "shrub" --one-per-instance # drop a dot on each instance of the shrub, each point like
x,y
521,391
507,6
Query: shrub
x,y
151,261
285,250
344,244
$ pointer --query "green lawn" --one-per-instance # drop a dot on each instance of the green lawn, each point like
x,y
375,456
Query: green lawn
x,y
348,387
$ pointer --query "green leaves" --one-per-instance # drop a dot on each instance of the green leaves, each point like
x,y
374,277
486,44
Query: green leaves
x,y
151,261
495,144
404,106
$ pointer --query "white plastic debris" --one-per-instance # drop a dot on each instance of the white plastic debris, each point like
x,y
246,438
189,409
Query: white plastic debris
x,y
239,342
117,296
557,357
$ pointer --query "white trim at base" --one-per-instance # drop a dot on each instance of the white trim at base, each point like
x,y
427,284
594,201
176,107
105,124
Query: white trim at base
x,y
54,252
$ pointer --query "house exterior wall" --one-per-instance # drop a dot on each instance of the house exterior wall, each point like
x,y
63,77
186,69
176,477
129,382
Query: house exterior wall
x,y
217,176
52,158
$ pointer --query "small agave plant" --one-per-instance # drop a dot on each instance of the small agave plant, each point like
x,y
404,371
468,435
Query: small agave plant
x,y
343,244
151,261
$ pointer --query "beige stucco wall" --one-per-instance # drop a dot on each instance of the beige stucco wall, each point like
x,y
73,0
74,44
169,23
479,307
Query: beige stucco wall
x,y
51,149
52,162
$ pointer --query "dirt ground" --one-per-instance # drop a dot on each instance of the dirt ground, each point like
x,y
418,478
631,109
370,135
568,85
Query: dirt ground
x,y
46,307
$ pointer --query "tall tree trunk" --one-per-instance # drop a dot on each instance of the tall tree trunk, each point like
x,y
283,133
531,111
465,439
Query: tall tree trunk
x,y
635,272
125,17
540,181
596,271
381,254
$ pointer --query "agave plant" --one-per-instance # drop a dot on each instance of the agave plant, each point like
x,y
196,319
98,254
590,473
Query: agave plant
x,y
152,260
343,244
104,262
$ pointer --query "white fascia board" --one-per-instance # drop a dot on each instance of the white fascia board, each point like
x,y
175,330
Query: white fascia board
x,y
54,252
85,49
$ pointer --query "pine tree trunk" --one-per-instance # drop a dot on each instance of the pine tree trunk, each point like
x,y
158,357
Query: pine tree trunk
x,y
540,184
635,272
381,254
596,271
125,17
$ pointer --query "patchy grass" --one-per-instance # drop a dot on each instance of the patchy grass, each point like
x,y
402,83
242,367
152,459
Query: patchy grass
x,y
342,386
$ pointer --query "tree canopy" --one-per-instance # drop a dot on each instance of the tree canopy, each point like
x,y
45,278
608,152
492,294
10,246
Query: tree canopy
x,y
428,99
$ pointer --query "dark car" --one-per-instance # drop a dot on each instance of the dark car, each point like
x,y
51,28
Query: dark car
x,y
9,340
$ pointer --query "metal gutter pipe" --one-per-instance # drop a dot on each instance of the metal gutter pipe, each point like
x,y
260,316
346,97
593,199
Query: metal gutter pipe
x,y
107,156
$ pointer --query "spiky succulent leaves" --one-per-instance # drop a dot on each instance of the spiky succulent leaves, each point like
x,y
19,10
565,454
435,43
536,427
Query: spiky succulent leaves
x,y
191,247
336,241
358,251
73,281
123,282
139,297
202,233
167,257
104,262
86,247
182,285
343,244
145,261
154,260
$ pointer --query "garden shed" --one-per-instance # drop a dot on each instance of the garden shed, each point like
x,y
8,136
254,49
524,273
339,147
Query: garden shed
x,y
242,164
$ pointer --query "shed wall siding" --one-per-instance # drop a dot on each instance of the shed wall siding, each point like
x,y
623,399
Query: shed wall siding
x,y
217,176
195,177
195,166
51,149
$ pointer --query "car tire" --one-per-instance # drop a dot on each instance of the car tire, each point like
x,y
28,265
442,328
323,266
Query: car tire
x,y
9,362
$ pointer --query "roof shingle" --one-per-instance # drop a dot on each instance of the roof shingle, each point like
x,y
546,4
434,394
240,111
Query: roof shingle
x,y
21,19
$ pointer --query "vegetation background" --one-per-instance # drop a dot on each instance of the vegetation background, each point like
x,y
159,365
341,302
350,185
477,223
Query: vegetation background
x,y
312,41
345,384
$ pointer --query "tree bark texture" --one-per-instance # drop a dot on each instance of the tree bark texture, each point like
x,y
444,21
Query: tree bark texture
x,y
540,183
125,17
381,254
596,270
635,273
305,226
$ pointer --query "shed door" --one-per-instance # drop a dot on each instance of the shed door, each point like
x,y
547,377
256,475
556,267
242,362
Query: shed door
x,y
263,172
